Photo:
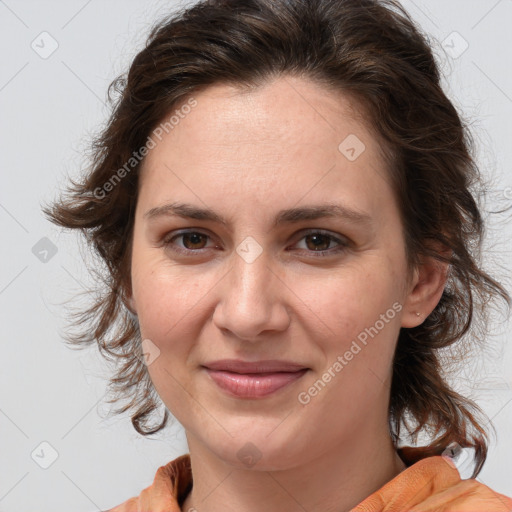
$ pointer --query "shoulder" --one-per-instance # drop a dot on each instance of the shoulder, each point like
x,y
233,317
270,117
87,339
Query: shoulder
x,y
434,485
468,496
171,484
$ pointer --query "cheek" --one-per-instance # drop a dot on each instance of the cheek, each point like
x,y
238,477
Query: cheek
x,y
167,302
360,312
357,313
164,293
349,299
168,305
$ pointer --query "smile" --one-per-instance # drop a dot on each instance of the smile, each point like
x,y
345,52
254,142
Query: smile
x,y
253,385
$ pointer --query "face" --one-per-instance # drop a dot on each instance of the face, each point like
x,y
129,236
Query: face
x,y
300,259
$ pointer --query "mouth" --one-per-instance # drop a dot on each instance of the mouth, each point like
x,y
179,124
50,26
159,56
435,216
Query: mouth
x,y
253,380
248,367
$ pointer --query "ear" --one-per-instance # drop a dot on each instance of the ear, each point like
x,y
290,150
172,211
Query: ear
x,y
425,290
131,305
129,301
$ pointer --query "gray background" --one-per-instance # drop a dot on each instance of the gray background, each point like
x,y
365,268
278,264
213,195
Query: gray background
x,y
49,105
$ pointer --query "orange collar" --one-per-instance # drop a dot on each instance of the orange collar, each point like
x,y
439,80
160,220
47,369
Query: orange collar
x,y
429,485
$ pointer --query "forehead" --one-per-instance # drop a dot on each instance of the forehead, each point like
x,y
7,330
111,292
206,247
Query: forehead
x,y
291,137
287,110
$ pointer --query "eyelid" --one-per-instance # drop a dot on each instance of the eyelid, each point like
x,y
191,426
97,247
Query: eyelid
x,y
343,242
169,237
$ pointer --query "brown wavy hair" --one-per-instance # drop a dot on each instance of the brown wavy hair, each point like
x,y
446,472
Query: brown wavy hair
x,y
369,49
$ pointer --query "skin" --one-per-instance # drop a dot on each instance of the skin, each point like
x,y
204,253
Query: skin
x,y
248,155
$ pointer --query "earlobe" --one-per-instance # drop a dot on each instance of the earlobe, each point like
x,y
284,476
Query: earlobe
x,y
426,290
130,304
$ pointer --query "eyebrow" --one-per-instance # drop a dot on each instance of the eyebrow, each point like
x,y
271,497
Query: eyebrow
x,y
290,216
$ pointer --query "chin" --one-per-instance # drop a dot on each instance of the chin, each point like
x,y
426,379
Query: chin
x,y
259,452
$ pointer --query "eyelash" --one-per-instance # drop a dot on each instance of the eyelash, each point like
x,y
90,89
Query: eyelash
x,y
343,245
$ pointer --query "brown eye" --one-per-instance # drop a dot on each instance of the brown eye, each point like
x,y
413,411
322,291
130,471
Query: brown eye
x,y
191,242
318,244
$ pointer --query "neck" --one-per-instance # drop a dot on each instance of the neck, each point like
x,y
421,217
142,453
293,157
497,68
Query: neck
x,y
333,482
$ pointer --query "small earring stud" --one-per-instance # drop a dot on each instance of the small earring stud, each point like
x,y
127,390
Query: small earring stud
x,y
418,314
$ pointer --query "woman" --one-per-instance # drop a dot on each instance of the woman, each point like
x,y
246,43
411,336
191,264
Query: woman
x,y
283,201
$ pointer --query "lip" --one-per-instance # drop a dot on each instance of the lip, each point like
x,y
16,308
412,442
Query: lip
x,y
253,385
253,380
246,367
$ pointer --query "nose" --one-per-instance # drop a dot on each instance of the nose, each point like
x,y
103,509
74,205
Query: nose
x,y
252,299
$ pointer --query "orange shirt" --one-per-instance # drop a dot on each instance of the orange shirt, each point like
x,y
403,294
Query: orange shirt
x,y
429,485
